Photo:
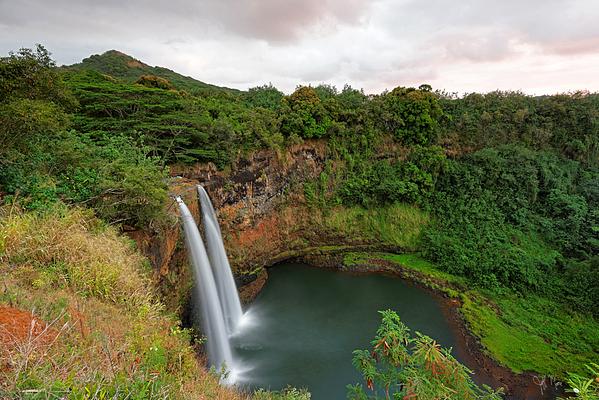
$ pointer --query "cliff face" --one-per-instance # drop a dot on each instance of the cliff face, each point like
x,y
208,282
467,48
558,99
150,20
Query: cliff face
x,y
259,204
264,220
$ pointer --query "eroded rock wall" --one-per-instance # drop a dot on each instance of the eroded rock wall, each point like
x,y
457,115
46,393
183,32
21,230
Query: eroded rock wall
x,y
260,206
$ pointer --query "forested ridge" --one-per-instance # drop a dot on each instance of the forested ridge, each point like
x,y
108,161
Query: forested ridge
x,y
511,181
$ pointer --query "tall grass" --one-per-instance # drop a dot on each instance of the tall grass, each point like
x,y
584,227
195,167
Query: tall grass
x,y
73,248
113,338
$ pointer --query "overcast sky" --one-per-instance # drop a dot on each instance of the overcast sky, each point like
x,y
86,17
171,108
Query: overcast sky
x,y
538,46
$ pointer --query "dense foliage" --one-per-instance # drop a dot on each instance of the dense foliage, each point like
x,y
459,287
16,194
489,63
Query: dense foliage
x,y
381,182
508,183
411,115
565,123
511,180
401,365
43,161
522,219
178,127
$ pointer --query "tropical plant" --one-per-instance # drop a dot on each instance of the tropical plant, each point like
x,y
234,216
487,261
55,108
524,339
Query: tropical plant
x,y
585,387
304,114
403,366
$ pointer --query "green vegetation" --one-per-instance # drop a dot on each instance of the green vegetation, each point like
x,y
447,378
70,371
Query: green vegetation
x,y
43,162
415,262
412,115
585,387
177,126
383,182
564,123
498,192
397,225
287,394
121,66
530,227
522,332
532,333
402,365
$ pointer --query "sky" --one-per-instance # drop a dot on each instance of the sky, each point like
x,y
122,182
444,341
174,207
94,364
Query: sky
x,y
537,46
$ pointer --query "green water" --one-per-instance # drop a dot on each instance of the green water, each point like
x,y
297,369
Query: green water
x,y
306,322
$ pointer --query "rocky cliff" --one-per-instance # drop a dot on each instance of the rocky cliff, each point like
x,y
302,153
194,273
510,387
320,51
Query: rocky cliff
x,y
261,209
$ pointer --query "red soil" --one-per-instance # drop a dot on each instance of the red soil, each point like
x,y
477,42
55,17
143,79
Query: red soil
x,y
18,327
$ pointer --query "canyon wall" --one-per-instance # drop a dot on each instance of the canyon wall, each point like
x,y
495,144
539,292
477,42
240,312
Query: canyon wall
x,y
261,209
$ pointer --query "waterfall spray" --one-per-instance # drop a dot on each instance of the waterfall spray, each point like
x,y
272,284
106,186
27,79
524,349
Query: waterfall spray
x,y
213,321
225,284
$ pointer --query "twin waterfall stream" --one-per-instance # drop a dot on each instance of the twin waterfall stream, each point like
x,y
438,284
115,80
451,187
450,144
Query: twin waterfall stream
x,y
214,288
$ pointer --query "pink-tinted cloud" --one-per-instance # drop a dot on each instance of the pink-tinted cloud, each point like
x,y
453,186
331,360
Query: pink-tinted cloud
x,y
570,47
538,46
280,21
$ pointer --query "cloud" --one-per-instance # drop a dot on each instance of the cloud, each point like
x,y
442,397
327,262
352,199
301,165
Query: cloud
x,y
275,21
571,47
461,45
539,22
280,21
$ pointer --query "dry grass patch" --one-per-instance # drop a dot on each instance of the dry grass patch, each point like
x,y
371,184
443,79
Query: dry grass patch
x,y
77,250
113,339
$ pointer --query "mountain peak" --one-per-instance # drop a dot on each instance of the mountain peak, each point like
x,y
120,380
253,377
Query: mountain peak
x,y
114,52
129,69
114,57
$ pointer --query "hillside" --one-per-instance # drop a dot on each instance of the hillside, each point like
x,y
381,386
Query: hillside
x,y
494,197
122,66
86,310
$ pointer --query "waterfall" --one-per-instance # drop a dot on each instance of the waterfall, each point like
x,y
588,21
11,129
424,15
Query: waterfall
x,y
219,350
225,284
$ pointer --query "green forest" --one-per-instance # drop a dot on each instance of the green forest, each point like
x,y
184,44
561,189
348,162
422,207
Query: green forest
x,y
510,182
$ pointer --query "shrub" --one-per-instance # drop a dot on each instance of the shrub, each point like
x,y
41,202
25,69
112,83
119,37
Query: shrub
x,y
383,182
585,387
404,366
154,81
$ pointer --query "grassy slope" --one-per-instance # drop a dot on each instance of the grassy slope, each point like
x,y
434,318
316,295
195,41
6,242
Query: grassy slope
x,y
127,68
93,288
396,225
523,333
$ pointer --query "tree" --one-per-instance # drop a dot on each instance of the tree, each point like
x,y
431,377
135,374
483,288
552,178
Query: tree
x,y
401,366
325,91
265,96
33,101
30,74
411,115
304,114
26,124
44,163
